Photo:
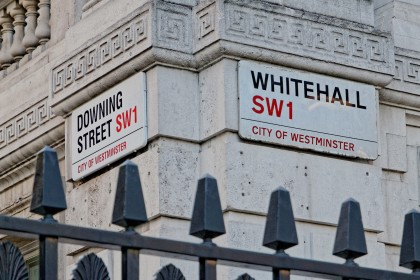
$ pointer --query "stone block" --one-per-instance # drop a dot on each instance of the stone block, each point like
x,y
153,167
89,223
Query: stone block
x,y
397,152
173,103
247,173
219,98
392,255
403,34
392,139
169,174
399,200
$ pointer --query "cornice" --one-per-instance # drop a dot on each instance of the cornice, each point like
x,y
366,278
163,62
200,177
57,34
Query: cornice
x,y
192,37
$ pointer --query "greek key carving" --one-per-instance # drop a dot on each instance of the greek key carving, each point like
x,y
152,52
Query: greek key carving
x,y
173,28
25,122
297,35
206,19
100,53
407,69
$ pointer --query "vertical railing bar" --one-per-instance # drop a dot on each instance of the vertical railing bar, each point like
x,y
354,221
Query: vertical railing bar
x,y
48,258
281,274
208,269
130,264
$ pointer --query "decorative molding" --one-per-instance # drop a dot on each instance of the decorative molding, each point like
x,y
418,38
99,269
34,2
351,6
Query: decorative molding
x,y
101,52
10,177
192,37
407,66
174,25
12,264
276,30
206,23
245,276
90,267
27,121
170,272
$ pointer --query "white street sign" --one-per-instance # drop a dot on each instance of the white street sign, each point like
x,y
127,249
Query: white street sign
x,y
308,111
109,126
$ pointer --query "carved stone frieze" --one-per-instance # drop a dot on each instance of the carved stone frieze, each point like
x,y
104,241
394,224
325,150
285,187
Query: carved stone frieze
x,y
173,29
194,36
27,121
404,89
277,30
125,41
407,66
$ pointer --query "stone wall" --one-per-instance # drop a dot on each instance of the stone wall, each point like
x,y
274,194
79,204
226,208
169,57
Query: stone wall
x,y
190,51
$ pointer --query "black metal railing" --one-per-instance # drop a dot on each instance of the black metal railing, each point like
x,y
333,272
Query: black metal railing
x,y
206,223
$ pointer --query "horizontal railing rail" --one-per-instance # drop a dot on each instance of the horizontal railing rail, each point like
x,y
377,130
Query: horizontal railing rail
x,y
206,223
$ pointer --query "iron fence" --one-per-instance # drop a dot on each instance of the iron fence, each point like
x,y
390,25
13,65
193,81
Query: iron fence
x,y
206,223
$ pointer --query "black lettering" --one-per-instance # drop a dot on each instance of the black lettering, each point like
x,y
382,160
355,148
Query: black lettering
x,y
79,143
306,89
279,83
86,119
91,138
101,110
358,101
112,104
79,122
337,96
325,92
97,134
119,100
348,101
109,127
93,114
259,80
297,82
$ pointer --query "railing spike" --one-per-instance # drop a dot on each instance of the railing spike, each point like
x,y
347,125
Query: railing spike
x,y
410,245
207,219
129,207
350,242
280,229
48,196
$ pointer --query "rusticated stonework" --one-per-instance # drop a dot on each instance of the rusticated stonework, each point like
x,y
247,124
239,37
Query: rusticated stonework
x,y
101,52
25,122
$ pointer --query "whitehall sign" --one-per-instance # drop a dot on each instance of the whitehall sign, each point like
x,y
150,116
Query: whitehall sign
x,y
308,111
109,126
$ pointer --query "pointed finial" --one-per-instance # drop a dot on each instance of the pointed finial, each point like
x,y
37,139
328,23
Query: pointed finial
x,y
350,242
410,245
207,219
280,229
129,207
48,196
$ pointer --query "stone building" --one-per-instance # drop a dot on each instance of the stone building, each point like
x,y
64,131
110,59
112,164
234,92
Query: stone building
x,y
194,64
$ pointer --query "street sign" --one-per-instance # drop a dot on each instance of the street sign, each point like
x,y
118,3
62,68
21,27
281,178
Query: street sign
x,y
109,126
308,111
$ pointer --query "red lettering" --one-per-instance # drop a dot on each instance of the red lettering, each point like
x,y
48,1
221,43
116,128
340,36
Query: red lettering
x,y
135,114
273,106
118,120
256,103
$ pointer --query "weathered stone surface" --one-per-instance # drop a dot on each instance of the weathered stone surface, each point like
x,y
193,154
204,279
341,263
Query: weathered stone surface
x,y
219,98
247,174
173,103
360,11
392,139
